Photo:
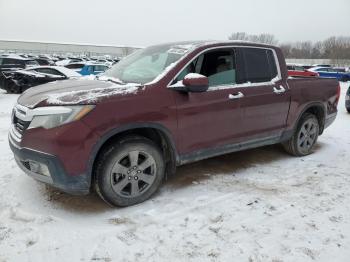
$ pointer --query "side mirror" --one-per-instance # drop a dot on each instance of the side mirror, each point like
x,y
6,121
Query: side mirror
x,y
193,83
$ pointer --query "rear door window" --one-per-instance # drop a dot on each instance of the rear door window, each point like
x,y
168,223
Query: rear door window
x,y
325,69
75,66
259,65
299,68
99,68
13,62
31,63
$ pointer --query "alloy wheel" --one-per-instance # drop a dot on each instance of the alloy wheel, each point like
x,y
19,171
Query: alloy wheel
x,y
307,136
133,174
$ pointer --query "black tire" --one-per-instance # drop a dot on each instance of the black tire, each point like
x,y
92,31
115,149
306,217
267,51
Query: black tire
x,y
348,109
345,79
14,89
113,186
295,145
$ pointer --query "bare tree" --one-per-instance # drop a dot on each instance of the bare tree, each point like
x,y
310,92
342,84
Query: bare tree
x,y
262,38
334,48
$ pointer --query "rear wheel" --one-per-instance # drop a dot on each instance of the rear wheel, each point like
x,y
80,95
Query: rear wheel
x,y
304,137
348,109
129,171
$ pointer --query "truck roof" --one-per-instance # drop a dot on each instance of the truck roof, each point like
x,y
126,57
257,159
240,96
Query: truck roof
x,y
203,43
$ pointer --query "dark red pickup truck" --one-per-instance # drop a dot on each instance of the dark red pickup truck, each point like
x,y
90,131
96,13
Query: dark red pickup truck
x,y
162,107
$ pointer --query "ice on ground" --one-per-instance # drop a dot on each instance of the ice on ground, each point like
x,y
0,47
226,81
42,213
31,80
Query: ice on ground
x,y
256,205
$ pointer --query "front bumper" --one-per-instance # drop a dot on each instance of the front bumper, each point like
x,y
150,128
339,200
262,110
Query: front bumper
x,y
57,177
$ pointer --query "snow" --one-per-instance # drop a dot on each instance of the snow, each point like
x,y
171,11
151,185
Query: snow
x,y
63,62
30,73
67,72
194,76
92,95
256,205
247,84
15,56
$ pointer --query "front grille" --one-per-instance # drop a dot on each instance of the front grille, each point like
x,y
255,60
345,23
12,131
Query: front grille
x,y
20,125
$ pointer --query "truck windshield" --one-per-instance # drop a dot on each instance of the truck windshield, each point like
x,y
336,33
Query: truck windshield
x,y
147,64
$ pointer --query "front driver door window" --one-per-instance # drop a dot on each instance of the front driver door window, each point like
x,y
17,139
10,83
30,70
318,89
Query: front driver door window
x,y
218,66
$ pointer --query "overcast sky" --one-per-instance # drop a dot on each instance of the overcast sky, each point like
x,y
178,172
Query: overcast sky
x,y
144,22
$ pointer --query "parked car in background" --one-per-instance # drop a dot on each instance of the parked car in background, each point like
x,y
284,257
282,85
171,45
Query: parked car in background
x,y
192,101
106,62
93,69
307,66
56,70
347,100
88,68
321,65
68,61
77,67
330,72
296,70
44,62
13,62
20,80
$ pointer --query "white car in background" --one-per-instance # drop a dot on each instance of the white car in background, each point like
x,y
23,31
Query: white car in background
x,y
56,70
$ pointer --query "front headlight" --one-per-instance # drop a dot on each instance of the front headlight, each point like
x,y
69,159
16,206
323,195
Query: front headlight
x,y
51,117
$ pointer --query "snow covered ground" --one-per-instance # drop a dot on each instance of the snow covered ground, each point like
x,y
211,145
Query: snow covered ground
x,y
257,205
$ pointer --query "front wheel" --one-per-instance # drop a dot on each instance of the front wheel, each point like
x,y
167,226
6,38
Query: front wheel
x,y
129,171
304,137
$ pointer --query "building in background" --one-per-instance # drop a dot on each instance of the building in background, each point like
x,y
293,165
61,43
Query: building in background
x,y
29,47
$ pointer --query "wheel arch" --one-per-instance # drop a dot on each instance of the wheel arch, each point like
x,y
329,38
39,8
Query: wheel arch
x,y
316,108
155,132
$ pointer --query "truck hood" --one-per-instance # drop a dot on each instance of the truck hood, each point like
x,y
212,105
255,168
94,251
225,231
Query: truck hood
x,y
73,92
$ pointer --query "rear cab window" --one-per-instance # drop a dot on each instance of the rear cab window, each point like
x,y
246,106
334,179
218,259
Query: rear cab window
x,y
31,63
299,68
49,71
11,61
75,66
259,65
99,68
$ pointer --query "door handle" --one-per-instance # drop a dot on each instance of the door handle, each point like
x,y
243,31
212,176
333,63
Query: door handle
x,y
279,90
235,96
